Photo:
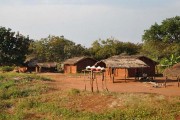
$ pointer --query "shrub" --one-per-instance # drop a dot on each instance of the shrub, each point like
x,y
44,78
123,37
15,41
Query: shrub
x,y
7,68
74,91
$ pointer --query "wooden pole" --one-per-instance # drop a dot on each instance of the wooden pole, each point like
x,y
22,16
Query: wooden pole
x,y
96,82
105,81
113,74
85,79
178,81
165,81
102,79
92,79
125,74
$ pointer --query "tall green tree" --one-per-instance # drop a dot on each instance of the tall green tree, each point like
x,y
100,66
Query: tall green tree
x,y
102,49
13,47
55,48
170,61
162,40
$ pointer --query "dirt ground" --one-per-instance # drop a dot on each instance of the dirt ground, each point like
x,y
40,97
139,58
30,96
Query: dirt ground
x,y
66,82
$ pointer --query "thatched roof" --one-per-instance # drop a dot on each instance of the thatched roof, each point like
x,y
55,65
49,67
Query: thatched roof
x,y
140,57
47,64
75,60
124,62
173,71
31,62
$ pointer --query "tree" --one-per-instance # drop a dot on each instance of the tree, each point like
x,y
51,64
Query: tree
x,y
170,61
13,47
55,48
102,49
162,40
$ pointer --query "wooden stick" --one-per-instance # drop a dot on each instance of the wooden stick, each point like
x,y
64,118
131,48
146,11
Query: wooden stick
x,y
125,74
105,82
96,82
85,79
178,80
102,80
165,81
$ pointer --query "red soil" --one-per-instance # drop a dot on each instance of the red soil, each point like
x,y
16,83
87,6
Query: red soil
x,y
66,82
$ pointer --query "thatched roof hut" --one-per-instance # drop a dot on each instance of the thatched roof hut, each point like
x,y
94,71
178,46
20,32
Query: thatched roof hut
x,y
173,71
74,60
124,62
128,65
47,64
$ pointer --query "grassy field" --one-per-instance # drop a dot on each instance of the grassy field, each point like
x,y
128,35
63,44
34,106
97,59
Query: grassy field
x,y
28,96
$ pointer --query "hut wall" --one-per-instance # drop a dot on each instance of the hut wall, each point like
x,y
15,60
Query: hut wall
x,y
119,72
73,69
81,65
150,71
133,72
70,68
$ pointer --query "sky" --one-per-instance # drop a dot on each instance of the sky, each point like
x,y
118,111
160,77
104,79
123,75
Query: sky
x,y
84,21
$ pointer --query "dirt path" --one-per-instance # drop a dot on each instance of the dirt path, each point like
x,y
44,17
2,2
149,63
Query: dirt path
x,y
66,82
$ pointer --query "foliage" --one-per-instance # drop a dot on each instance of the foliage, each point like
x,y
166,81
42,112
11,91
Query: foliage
x,y
6,68
55,48
102,49
162,40
74,91
14,85
170,61
13,47
22,96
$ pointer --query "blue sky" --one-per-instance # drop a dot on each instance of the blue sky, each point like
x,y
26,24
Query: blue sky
x,y
84,21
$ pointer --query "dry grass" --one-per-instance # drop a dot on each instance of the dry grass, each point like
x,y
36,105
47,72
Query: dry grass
x,y
75,104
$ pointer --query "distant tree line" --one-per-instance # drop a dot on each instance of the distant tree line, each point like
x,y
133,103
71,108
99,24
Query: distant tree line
x,y
13,47
160,42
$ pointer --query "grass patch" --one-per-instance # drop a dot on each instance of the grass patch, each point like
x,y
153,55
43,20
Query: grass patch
x,y
23,96
74,91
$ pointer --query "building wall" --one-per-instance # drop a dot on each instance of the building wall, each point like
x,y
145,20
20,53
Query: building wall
x,y
150,71
70,68
132,72
119,72
81,65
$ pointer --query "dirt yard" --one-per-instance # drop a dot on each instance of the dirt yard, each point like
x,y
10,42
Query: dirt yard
x,y
66,82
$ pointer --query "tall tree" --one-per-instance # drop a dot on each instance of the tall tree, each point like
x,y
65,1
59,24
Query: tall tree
x,y
55,48
162,40
13,47
102,49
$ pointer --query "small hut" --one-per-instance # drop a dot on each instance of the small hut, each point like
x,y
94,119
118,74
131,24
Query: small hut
x,y
46,67
77,64
173,71
34,64
128,66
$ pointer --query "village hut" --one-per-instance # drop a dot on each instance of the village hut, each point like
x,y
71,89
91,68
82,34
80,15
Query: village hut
x,y
31,63
46,67
173,71
77,64
128,66
37,66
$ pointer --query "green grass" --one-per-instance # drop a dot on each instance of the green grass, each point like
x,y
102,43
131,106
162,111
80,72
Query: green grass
x,y
23,96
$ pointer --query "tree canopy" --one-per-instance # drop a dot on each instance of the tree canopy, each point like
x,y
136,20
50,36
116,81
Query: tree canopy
x,y
162,40
55,48
13,47
102,49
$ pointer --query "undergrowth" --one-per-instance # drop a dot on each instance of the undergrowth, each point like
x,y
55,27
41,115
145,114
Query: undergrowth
x,y
23,96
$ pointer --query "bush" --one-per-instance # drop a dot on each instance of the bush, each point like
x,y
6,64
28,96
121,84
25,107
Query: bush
x,y
74,91
7,68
